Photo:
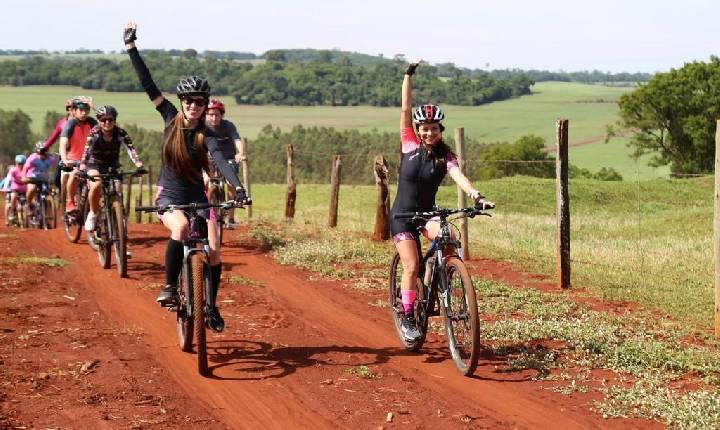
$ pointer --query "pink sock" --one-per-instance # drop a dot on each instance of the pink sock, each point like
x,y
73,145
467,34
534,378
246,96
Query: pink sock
x,y
408,298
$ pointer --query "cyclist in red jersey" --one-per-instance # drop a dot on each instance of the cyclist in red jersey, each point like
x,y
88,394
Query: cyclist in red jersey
x,y
55,135
72,142
425,160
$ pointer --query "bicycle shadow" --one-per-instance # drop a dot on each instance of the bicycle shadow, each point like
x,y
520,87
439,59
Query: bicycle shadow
x,y
147,241
255,360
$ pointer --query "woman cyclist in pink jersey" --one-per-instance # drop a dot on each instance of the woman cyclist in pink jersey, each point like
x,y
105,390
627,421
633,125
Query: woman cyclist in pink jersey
x,y
15,187
424,162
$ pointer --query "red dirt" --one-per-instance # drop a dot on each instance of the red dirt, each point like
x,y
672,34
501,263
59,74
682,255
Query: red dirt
x,y
82,348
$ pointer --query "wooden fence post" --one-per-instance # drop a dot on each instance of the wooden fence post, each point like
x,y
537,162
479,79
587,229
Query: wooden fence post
x,y
461,200
562,198
334,191
128,192
139,199
382,212
716,228
150,194
246,176
290,195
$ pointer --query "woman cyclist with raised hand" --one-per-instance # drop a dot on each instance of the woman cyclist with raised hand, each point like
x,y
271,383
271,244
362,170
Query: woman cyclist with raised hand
x,y
185,149
425,160
102,152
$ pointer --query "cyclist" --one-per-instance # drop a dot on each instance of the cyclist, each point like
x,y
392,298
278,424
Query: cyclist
x,y
424,162
55,135
37,166
186,144
72,142
232,147
15,185
102,152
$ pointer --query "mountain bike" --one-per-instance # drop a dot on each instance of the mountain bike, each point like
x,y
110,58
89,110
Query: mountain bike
x,y
216,195
444,288
43,214
111,222
194,282
16,216
73,221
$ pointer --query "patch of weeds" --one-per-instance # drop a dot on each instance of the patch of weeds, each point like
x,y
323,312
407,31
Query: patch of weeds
x,y
362,371
380,303
8,236
573,387
268,235
651,398
541,360
239,280
38,261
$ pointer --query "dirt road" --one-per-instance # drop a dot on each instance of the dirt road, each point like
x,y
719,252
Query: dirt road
x,y
293,355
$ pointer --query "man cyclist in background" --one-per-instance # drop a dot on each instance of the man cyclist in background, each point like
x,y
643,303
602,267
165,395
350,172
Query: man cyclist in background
x,y
37,167
102,152
232,147
55,135
72,142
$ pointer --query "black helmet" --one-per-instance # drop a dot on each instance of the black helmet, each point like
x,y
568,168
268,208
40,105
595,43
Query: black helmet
x,y
193,86
80,102
106,110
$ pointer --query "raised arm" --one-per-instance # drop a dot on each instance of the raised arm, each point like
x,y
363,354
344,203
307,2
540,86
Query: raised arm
x,y
129,37
406,101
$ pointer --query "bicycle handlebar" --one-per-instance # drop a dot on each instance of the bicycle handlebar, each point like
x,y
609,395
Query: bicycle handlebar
x,y
470,211
191,206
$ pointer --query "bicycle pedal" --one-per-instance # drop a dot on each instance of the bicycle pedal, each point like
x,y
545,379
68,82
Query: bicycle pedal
x,y
171,308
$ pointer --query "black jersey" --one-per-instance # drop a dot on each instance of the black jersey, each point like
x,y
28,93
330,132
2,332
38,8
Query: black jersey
x,y
101,153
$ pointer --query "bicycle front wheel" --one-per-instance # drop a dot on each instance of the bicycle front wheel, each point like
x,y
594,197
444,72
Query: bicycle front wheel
x,y
462,324
198,285
184,322
50,217
101,238
119,236
396,307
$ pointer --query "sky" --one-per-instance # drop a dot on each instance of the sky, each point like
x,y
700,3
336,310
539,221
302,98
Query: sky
x,y
610,35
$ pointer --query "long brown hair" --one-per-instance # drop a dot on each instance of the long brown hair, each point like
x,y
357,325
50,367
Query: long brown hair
x,y
176,155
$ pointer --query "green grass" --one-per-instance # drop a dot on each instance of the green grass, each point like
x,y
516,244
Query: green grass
x,y
39,261
648,242
589,108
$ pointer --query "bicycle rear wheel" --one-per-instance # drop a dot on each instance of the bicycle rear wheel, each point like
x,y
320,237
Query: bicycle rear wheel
x,y
462,324
73,223
198,286
119,236
184,322
397,310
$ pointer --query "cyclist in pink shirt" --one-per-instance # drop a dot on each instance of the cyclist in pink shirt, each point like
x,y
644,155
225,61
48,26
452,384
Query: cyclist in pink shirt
x,y
16,186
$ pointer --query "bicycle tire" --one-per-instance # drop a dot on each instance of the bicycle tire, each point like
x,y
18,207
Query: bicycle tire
x,y
462,324
119,238
184,323
50,216
73,225
397,311
198,286
215,199
102,238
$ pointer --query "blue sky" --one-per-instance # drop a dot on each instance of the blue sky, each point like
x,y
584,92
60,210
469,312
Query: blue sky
x,y
610,35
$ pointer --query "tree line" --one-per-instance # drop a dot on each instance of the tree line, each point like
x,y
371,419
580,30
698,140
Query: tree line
x,y
314,148
276,81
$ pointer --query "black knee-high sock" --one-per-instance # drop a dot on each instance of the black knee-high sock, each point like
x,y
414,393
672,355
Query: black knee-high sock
x,y
173,261
215,272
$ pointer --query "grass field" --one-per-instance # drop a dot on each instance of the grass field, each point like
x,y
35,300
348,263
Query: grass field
x,y
589,108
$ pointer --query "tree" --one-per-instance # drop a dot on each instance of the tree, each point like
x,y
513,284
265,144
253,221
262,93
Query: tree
x,y
15,134
673,117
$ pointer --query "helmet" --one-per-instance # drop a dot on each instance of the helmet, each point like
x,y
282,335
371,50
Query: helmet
x,y
40,147
106,110
20,159
217,104
193,86
428,113
80,102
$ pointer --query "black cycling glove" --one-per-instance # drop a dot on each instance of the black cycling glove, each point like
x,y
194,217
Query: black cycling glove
x,y
411,69
241,196
130,35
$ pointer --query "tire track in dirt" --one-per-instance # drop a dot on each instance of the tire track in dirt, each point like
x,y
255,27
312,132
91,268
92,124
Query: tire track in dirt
x,y
293,346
